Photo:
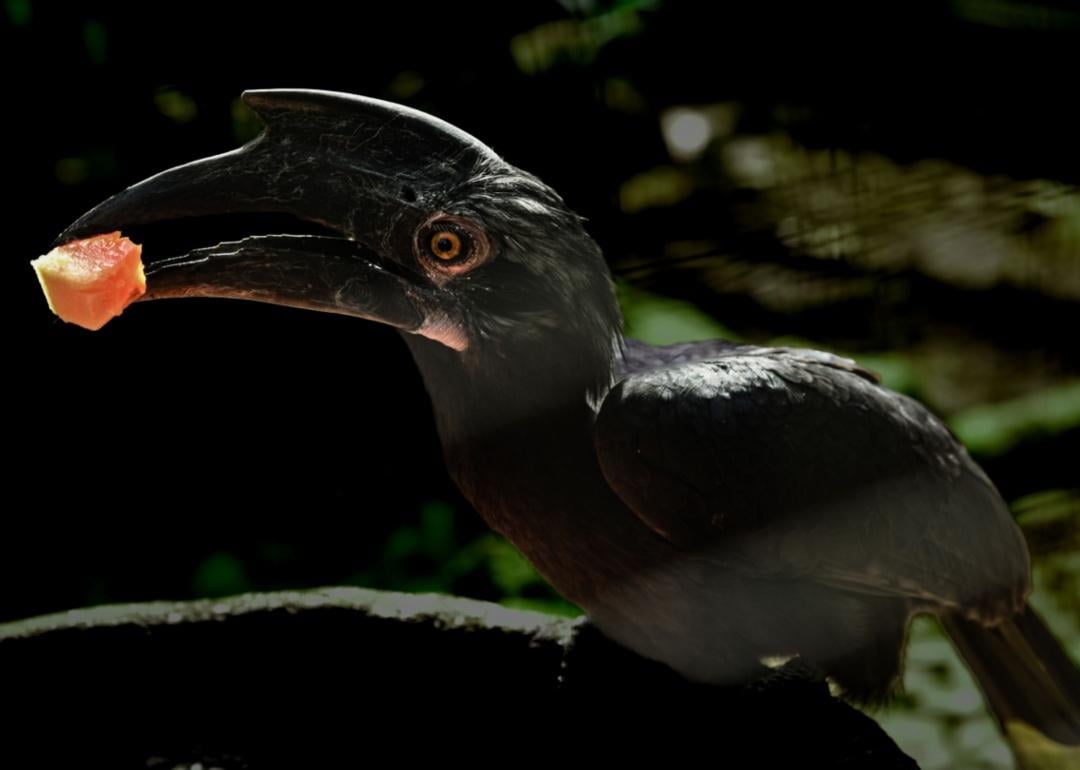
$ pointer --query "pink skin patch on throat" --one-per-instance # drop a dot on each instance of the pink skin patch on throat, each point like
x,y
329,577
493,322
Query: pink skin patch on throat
x,y
442,329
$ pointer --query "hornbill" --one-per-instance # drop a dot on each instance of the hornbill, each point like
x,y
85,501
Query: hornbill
x,y
709,505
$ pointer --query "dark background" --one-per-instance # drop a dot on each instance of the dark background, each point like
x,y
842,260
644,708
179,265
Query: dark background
x,y
199,448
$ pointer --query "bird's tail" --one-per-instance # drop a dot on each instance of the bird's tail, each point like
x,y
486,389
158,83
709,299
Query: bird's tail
x,y
1024,673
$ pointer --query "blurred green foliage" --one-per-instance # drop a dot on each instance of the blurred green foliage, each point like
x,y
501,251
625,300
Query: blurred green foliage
x,y
19,11
992,429
575,40
665,321
96,39
246,126
176,105
430,557
94,162
220,574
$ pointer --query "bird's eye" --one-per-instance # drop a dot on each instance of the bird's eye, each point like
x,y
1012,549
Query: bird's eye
x,y
446,245
451,244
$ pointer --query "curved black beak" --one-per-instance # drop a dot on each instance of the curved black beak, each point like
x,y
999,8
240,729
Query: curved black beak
x,y
369,170
333,275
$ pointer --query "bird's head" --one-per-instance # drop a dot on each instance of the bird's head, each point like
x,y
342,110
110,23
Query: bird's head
x,y
481,264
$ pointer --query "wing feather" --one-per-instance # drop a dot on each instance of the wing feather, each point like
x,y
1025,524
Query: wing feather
x,y
784,462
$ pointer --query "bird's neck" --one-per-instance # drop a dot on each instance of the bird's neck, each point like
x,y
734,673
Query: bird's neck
x,y
512,391
517,439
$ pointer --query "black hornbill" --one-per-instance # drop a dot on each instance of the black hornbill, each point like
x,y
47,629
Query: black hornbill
x,y
708,504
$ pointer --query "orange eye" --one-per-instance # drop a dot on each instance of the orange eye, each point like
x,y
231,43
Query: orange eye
x,y
445,245
451,245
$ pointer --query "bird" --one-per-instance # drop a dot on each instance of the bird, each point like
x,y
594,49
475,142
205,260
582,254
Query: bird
x,y
709,505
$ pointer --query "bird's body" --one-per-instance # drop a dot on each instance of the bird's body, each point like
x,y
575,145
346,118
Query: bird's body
x,y
707,504
719,504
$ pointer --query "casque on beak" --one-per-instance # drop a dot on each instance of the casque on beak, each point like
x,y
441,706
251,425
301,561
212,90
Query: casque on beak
x,y
368,170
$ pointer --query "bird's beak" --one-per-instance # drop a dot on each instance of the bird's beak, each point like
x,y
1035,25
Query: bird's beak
x,y
364,168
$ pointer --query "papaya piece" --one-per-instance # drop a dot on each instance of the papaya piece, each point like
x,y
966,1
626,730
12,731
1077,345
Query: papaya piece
x,y
90,281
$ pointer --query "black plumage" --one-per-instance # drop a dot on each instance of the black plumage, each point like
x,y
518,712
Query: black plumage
x,y
708,504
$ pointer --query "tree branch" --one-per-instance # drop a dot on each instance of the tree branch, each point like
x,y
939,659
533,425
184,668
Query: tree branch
x,y
337,677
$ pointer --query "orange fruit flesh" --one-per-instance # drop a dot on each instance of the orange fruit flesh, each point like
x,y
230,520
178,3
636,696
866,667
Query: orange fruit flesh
x,y
90,281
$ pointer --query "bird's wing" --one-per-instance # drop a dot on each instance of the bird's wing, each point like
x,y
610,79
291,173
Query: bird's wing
x,y
783,462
